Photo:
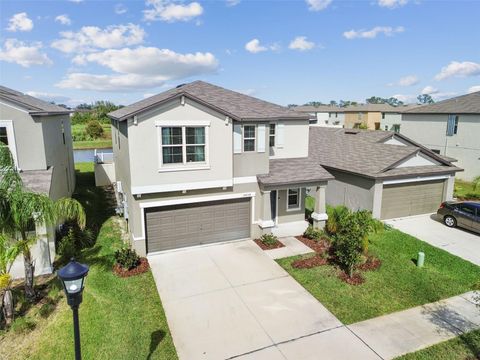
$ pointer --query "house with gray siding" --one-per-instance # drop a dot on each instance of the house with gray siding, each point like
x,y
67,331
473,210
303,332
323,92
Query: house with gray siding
x,y
38,135
199,164
451,128
323,115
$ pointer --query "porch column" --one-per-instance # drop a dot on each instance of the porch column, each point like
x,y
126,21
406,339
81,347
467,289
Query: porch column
x,y
319,214
266,221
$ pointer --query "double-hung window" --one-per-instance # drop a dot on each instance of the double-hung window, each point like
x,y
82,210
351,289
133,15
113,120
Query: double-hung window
x,y
3,136
249,138
183,144
272,135
293,199
452,125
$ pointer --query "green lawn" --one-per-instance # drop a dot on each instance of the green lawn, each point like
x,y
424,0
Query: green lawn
x,y
464,347
464,190
397,285
119,318
102,143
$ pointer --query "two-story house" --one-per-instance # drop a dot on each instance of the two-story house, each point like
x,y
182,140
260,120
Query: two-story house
x,y
200,164
323,115
375,116
451,128
38,135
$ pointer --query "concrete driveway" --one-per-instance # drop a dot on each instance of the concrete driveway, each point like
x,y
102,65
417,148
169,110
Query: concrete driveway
x,y
233,301
457,241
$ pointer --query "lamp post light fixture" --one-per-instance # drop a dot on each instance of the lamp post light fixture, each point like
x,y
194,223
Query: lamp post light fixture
x,y
73,280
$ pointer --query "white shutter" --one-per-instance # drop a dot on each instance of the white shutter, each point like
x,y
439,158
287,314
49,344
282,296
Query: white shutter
x,y
280,135
237,138
261,138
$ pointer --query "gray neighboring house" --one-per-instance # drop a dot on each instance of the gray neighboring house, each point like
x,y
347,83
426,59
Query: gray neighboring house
x,y
451,128
38,135
381,171
323,115
201,164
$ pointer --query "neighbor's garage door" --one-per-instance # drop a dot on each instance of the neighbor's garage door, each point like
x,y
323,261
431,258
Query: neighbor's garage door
x,y
411,198
194,224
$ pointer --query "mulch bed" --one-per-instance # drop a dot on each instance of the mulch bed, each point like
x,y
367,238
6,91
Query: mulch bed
x,y
319,246
371,264
142,267
356,278
310,262
264,246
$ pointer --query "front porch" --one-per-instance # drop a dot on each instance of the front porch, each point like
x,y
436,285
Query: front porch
x,y
283,194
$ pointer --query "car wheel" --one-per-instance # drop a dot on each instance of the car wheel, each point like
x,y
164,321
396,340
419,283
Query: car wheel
x,y
450,221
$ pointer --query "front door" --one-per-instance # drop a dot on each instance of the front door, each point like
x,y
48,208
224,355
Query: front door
x,y
273,205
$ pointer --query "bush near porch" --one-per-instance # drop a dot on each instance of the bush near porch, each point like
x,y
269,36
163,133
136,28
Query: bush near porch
x,y
120,318
397,285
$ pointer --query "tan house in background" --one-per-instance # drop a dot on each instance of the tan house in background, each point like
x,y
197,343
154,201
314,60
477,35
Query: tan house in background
x,y
373,116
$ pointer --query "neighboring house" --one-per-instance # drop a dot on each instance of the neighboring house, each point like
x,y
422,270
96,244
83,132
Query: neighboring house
x,y
450,128
38,135
374,116
201,164
323,115
381,171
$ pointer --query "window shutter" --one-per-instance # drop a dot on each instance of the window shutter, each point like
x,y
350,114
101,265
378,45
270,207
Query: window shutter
x,y
237,138
280,135
261,138
450,125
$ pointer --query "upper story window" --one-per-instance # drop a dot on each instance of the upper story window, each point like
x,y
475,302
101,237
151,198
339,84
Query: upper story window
x,y
360,116
183,144
336,114
249,138
3,136
272,135
293,199
329,114
396,128
383,115
452,125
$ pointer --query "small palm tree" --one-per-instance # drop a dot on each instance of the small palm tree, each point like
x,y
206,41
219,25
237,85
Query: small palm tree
x,y
19,207
8,253
476,183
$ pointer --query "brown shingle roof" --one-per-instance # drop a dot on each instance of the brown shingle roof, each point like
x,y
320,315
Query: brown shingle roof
x,y
294,171
465,104
362,152
37,180
238,106
33,105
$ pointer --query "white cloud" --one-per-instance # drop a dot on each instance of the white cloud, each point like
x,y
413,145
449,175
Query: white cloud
x,y
171,11
120,9
90,38
19,52
57,98
436,93
405,98
249,92
76,1
473,89
254,46
301,43
429,90
140,68
408,80
63,19
458,69
371,34
317,5
147,95
391,4
20,22
233,2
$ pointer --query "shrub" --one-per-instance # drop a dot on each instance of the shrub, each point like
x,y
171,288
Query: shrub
x,y
335,216
73,240
127,258
348,242
94,129
269,239
313,233
22,325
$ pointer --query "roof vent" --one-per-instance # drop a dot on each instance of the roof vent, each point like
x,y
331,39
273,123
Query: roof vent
x,y
352,131
179,86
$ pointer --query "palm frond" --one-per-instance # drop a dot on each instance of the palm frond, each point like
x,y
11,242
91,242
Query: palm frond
x,y
70,209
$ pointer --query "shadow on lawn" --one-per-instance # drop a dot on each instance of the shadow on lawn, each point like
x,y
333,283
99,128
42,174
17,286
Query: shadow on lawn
x,y
155,339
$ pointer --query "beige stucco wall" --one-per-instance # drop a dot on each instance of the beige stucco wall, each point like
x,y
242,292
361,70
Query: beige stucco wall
x,y
368,118
295,140
430,131
285,216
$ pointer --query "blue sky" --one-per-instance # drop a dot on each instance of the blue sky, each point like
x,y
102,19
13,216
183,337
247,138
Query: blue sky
x,y
281,51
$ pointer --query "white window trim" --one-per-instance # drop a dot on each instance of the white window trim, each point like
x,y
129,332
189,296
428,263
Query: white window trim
x,y
12,145
184,166
299,200
254,139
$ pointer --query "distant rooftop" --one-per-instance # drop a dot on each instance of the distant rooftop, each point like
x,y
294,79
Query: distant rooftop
x,y
33,105
465,104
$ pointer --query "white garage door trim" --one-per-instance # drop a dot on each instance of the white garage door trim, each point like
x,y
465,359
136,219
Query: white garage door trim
x,y
428,178
181,201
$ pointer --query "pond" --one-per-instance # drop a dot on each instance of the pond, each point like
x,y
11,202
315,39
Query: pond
x,y
87,155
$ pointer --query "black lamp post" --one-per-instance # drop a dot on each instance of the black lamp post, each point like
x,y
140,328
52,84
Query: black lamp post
x,y
73,279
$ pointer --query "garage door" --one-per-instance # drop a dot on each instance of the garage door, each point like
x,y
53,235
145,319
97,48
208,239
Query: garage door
x,y
411,198
194,224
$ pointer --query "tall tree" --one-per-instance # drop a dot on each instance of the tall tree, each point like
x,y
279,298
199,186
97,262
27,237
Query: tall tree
x,y
314,103
425,99
393,101
375,100
20,208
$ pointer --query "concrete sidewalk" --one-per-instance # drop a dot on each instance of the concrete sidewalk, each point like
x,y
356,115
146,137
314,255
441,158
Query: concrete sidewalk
x,y
420,327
